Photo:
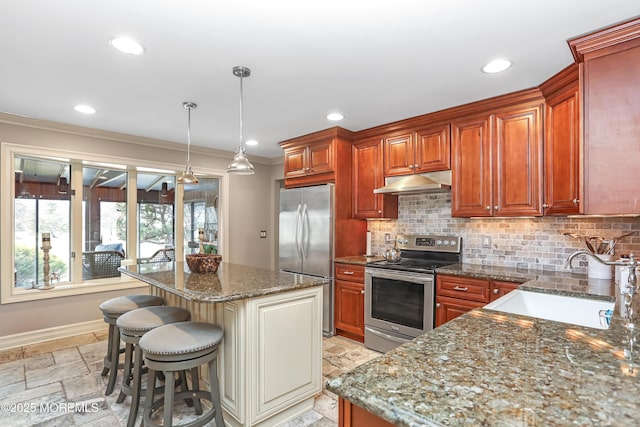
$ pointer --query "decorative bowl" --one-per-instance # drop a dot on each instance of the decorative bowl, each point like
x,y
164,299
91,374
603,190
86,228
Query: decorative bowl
x,y
203,263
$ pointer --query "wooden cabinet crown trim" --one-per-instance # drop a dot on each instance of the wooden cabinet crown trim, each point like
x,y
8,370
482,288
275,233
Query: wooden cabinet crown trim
x,y
565,79
604,38
320,136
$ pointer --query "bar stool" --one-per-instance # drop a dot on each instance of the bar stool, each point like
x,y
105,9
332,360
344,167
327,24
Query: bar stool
x,y
176,347
111,310
133,325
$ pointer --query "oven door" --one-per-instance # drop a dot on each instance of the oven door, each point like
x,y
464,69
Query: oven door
x,y
398,303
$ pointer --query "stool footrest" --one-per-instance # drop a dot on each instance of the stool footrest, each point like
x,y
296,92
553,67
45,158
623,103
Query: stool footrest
x,y
183,395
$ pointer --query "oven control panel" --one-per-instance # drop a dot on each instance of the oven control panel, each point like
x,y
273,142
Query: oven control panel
x,y
429,243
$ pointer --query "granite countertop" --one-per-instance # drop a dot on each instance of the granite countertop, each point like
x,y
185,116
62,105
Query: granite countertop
x,y
499,369
230,282
358,259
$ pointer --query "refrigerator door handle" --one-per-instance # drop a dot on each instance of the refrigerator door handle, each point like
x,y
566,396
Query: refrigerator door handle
x,y
305,233
298,231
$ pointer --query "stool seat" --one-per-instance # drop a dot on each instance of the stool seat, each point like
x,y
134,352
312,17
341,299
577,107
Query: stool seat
x,y
172,342
120,305
138,322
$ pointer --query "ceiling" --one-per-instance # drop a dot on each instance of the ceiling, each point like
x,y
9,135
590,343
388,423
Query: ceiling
x,y
374,61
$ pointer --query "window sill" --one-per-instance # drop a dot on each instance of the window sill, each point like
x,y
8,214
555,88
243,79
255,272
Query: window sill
x,y
66,290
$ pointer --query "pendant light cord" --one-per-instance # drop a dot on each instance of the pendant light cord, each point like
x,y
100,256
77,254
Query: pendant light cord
x,y
188,137
241,147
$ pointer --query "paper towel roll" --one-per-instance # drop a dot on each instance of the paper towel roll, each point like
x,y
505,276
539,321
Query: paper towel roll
x,y
368,253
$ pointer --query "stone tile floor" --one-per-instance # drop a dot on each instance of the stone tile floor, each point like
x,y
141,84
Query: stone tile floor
x,y
37,381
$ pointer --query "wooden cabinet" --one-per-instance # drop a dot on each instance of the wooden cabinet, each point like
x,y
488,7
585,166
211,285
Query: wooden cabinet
x,y
562,145
610,66
349,301
367,176
313,159
425,149
457,295
350,415
497,163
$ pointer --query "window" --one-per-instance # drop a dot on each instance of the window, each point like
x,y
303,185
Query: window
x,y
98,216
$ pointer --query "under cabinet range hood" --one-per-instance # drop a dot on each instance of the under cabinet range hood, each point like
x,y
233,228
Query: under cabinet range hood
x,y
431,182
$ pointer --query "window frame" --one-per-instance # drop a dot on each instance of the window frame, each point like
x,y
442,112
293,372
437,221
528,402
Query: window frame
x,y
8,151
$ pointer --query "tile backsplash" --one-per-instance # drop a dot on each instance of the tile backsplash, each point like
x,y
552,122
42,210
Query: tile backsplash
x,y
533,243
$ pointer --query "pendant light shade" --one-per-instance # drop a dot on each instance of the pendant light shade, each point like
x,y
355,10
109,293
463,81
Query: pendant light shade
x,y
240,164
187,177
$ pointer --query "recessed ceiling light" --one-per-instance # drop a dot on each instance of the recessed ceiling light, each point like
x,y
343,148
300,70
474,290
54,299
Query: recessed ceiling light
x,y
85,109
496,66
335,117
127,45
251,142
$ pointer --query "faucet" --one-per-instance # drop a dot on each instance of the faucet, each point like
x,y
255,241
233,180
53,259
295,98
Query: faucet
x,y
632,284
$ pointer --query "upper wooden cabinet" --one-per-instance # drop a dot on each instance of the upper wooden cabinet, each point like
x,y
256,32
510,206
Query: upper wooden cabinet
x,y
562,145
367,176
425,149
497,163
610,67
313,159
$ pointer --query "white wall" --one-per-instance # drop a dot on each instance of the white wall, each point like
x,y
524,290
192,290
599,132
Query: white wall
x,y
250,208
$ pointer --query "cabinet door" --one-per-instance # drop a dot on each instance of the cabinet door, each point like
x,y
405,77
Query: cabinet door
x,y
517,153
432,149
450,308
320,157
499,289
349,307
562,154
367,176
295,162
398,155
471,167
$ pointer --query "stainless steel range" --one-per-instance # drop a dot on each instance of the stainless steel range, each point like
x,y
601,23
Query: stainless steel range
x,y
400,296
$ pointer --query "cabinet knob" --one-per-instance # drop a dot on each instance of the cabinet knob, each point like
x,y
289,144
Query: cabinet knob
x,y
545,205
410,166
417,166
437,305
379,212
362,292
496,208
576,201
496,291
488,208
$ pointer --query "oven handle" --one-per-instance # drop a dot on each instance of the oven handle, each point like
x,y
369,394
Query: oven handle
x,y
387,336
399,275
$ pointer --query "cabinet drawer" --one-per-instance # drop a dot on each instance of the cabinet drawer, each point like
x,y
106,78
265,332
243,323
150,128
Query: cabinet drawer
x,y
350,272
463,288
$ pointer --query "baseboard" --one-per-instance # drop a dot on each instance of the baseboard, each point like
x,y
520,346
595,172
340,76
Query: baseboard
x,y
48,334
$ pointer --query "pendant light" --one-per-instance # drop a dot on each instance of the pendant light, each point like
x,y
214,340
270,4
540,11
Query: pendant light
x,y
187,176
240,164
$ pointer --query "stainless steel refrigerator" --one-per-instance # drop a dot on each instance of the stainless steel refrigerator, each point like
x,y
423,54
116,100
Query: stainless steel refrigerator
x,y
306,238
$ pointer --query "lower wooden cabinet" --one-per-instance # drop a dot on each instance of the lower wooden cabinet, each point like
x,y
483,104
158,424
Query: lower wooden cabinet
x,y
350,415
456,295
349,301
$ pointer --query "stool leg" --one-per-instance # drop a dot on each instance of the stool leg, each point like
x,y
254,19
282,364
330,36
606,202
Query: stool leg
x,y
126,372
115,361
107,357
148,398
215,392
184,386
135,393
195,385
169,386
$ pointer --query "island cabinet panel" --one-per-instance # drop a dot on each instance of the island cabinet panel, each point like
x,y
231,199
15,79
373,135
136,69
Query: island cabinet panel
x,y
278,374
611,85
457,295
368,175
497,163
349,301
562,143
350,415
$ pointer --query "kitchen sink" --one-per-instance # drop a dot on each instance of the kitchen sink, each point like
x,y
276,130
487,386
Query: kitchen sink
x,y
576,311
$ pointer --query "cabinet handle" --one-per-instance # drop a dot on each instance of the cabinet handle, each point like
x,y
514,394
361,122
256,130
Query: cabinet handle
x,y
379,212
488,208
417,166
437,305
496,291
410,166
348,272
460,288
496,208
545,205
362,292
576,201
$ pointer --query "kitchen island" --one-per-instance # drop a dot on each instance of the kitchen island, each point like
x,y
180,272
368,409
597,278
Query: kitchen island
x,y
270,359
498,369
